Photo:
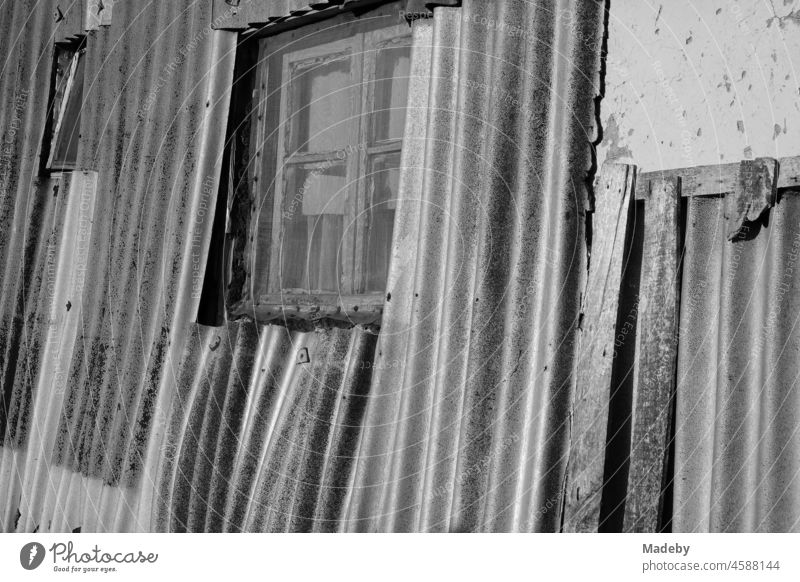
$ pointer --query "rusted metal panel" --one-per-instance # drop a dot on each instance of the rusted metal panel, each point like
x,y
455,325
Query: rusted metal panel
x,y
25,199
65,310
596,353
69,16
468,433
452,419
258,440
736,441
755,193
244,14
152,128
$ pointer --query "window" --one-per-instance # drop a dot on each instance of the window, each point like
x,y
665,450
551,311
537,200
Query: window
x,y
60,146
325,126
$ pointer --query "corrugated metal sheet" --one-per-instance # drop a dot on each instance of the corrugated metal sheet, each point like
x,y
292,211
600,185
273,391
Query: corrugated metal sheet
x,y
469,432
462,426
243,14
119,413
69,17
257,441
737,425
455,418
153,127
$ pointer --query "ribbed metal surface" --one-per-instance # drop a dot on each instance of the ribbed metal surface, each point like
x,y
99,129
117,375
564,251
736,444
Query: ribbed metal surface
x,y
70,17
259,12
258,441
153,125
469,431
737,424
455,418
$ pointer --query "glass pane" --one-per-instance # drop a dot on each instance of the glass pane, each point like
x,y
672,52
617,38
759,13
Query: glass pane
x,y
321,101
63,64
391,91
68,108
383,180
313,219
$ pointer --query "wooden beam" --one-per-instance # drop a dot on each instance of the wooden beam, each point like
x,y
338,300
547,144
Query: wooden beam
x,y
656,357
590,402
714,180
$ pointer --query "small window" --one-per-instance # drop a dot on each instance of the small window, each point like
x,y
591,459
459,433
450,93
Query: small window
x,y
342,118
60,147
323,160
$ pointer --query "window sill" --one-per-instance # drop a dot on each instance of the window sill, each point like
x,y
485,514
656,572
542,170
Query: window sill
x,y
306,312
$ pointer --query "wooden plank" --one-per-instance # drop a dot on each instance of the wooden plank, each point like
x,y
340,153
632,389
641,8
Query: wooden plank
x,y
656,357
590,403
714,180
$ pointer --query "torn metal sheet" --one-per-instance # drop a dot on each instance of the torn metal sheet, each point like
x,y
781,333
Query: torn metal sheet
x,y
755,193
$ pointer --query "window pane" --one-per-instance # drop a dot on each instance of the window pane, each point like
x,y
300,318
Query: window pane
x,y
391,91
63,64
313,217
328,231
383,180
321,101
67,110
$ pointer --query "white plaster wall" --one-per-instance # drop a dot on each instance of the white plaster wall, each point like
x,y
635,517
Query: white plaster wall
x,y
695,82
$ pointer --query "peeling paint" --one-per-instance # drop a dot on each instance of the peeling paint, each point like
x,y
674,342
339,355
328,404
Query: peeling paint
x,y
616,151
692,72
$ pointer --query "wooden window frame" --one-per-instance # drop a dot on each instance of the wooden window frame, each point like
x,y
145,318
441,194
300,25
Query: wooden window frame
x,y
260,297
56,110
362,55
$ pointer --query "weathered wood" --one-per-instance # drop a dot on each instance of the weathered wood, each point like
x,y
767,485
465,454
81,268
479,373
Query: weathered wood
x,y
590,403
656,357
716,179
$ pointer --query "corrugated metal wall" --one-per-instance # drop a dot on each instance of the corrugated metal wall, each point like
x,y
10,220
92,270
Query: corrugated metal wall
x,y
737,425
254,12
257,442
469,432
451,426
257,13
457,424
120,413
80,407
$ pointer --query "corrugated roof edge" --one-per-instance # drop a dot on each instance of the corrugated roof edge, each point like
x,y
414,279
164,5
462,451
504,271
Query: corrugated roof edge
x,y
252,15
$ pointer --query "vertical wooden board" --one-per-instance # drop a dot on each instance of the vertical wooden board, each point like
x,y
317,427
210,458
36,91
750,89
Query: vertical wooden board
x,y
589,414
656,358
